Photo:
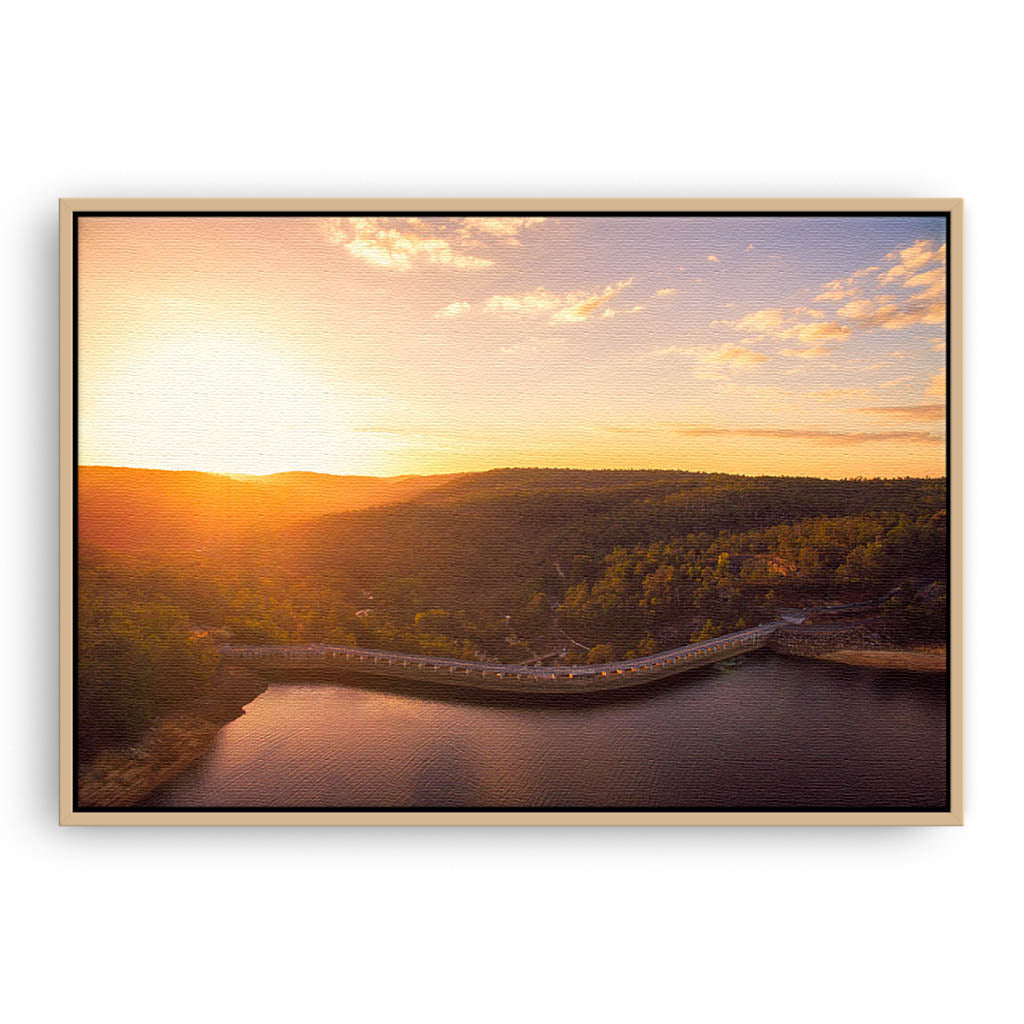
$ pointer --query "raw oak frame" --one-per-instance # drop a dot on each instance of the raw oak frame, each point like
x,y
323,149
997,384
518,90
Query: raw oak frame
x,y
954,327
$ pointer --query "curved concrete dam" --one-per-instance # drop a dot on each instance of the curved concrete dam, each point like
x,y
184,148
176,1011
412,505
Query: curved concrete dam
x,y
564,679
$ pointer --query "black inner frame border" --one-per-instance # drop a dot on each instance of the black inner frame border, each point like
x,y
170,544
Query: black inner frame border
x,y
945,215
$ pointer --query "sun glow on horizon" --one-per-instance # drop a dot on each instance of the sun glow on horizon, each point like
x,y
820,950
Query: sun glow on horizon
x,y
395,346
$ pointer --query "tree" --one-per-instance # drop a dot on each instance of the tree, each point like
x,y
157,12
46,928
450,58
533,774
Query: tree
x,y
707,632
601,653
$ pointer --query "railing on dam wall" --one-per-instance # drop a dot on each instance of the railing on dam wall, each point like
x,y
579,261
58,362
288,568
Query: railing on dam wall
x,y
606,674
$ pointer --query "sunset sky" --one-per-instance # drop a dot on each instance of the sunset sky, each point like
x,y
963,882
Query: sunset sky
x,y
787,345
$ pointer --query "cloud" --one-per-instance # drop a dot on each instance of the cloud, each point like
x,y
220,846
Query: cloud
x,y
505,229
910,261
573,307
749,247
895,383
842,289
919,267
908,412
835,291
831,394
816,333
762,321
733,353
609,312
938,344
937,386
825,436
780,325
397,243
927,279
455,309
728,354
891,313
580,308
662,293
540,300
815,352
713,258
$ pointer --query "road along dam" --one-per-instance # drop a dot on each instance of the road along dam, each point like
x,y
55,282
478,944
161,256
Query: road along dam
x,y
564,679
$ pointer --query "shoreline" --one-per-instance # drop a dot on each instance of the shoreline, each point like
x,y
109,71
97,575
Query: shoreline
x,y
125,778
906,659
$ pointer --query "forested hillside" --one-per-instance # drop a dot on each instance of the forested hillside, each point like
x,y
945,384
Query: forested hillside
x,y
504,565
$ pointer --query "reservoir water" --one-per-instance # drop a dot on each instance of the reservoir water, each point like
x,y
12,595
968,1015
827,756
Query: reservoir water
x,y
762,732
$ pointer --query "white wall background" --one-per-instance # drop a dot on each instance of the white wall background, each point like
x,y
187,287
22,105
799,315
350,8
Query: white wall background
x,y
196,99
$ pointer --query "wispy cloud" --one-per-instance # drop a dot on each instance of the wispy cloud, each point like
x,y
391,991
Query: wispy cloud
x,y
814,352
398,243
890,313
825,436
712,258
662,293
908,412
454,309
506,229
580,308
912,260
841,289
572,307
609,312
919,267
775,324
729,354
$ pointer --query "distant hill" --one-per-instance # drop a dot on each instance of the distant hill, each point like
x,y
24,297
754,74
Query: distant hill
x,y
490,540
136,511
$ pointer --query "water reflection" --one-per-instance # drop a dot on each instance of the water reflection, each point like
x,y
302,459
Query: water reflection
x,y
764,732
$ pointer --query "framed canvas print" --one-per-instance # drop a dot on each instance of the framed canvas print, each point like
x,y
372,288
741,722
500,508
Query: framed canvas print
x,y
511,512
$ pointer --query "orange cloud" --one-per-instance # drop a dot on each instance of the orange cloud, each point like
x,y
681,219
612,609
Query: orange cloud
x,y
540,300
815,333
454,309
844,288
908,412
814,352
929,278
885,312
762,321
663,292
506,229
909,261
397,243
609,312
781,325
573,307
729,353
579,309
835,291
825,436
